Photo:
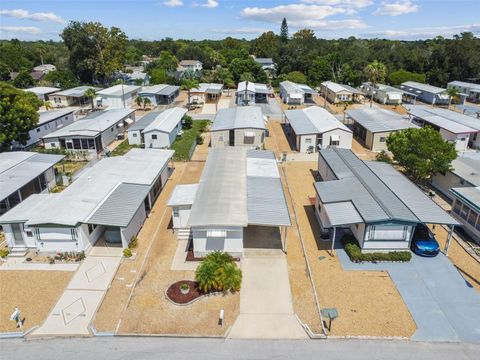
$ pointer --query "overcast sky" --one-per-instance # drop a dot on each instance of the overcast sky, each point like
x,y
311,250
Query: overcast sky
x,y
216,19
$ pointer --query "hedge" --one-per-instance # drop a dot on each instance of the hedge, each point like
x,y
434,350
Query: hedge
x,y
355,253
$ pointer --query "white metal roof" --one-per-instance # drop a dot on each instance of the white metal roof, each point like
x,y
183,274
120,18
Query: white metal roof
x,y
47,116
466,85
118,90
75,92
242,117
167,120
209,88
83,197
380,120
292,88
20,167
253,87
447,119
412,85
467,167
92,124
183,195
42,90
313,120
160,89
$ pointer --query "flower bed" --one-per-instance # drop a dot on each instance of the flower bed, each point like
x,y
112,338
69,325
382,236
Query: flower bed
x,y
174,292
355,253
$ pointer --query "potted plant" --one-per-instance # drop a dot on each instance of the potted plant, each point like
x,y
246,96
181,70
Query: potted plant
x,y
184,288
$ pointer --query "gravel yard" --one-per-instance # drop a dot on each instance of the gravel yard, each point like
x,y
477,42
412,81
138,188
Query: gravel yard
x,y
33,292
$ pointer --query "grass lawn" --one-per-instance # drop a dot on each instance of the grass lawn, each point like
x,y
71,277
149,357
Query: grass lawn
x,y
70,167
123,148
183,144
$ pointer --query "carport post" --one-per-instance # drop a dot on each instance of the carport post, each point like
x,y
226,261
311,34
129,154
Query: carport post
x,y
284,242
449,238
333,238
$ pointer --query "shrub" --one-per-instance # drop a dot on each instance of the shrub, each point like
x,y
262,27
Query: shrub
x,y
4,252
80,256
127,252
218,272
187,122
355,253
184,287
199,139
133,242
383,156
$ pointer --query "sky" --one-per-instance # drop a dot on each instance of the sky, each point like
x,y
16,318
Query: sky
x,y
216,19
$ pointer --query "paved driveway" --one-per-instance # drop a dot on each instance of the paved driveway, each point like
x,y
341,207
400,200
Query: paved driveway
x,y
272,109
443,305
266,310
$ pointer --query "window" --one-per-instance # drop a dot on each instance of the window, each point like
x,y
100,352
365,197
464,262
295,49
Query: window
x,y
38,129
249,138
91,227
111,129
335,142
319,208
472,218
28,233
308,141
53,145
66,117
176,212
76,144
382,139
216,233
220,138
462,182
134,134
457,206
154,137
464,212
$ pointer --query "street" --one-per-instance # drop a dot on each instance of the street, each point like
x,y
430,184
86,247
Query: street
x,y
199,349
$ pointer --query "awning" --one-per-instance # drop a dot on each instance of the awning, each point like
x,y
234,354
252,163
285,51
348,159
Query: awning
x,y
129,121
250,133
119,125
335,137
342,214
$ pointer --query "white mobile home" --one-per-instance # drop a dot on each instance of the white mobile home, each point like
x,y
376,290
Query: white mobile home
x,y
466,209
48,122
379,205
427,93
314,128
372,126
454,127
466,90
239,126
250,93
206,93
384,94
118,96
162,132
92,133
239,190
337,93
23,174
43,92
109,200
72,97
296,94
160,94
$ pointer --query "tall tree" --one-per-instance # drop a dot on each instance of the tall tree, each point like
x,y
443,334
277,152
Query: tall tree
x,y
189,84
375,73
90,94
24,80
18,115
421,152
284,31
95,52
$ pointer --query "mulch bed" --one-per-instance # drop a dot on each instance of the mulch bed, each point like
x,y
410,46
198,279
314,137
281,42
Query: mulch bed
x,y
174,293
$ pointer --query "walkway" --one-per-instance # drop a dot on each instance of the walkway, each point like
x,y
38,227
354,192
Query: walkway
x,y
444,306
266,310
75,309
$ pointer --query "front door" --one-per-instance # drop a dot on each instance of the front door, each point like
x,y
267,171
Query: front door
x,y
231,137
17,235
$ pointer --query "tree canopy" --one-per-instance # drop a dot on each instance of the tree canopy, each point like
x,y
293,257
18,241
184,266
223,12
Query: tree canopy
x,y
18,115
421,152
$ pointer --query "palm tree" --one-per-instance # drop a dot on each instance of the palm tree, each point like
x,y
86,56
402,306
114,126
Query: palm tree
x,y
189,84
146,101
229,277
452,92
48,105
375,72
139,101
206,277
90,93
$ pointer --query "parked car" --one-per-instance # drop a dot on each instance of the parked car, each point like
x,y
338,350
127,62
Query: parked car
x,y
423,242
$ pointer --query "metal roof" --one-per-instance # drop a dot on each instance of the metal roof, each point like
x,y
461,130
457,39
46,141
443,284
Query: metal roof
x,y
75,92
92,124
120,206
466,85
183,195
447,119
264,61
144,121
118,90
341,214
313,120
467,167
82,198
160,89
242,117
253,87
377,191
189,62
47,116
19,168
42,90
167,120
413,85
468,194
380,120
208,88
239,187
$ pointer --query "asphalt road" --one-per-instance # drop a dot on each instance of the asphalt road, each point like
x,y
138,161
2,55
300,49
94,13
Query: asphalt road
x,y
210,349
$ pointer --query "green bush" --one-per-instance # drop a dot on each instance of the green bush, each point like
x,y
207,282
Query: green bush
x,y
127,252
4,252
187,122
133,242
218,272
355,253
199,139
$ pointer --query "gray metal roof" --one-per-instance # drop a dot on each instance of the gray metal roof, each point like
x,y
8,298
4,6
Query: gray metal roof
x,y
380,120
466,85
160,89
342,213
207,88
75,92
144,121
422,87
468,194
313,120
120,206
183,195
47,116
167,120
242,117
118,90
449,120
19,168
291,87
377,191
78,201
239,187
467,167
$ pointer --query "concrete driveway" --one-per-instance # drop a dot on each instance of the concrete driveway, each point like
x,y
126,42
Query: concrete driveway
x,y
443,305
272,109
76,307
266,310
